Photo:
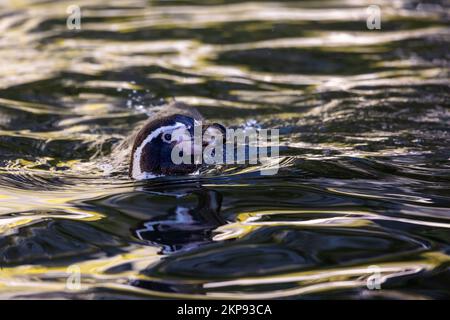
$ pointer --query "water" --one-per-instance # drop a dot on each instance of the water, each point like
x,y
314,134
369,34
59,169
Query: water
x,y
362,198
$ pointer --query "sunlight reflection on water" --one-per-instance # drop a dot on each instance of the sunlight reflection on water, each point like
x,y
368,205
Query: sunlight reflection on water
x,y
364,176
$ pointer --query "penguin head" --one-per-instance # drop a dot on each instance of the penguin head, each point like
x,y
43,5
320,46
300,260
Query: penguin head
x,y
153,146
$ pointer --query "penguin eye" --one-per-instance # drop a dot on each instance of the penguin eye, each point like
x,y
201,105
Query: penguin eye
x,y
167,137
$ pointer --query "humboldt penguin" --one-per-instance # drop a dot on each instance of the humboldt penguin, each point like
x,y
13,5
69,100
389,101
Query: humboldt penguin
x,y
172,126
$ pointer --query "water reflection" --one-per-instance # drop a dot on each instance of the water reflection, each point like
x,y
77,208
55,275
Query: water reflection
x,y
364,174
183,227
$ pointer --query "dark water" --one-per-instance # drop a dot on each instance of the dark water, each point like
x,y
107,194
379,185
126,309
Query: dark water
x,y
364,185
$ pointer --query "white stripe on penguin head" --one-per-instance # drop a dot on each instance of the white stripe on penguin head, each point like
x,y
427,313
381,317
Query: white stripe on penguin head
x,y
136,173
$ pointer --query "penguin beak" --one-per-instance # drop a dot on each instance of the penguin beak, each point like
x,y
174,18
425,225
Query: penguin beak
x,y
185,142
213,134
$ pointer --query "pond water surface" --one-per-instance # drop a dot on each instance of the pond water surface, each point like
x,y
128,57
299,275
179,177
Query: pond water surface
x,y
363,191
